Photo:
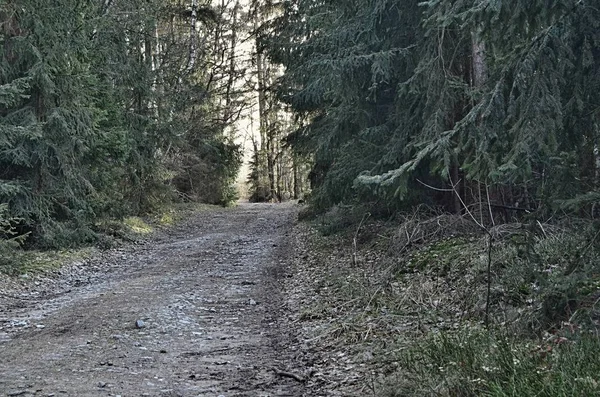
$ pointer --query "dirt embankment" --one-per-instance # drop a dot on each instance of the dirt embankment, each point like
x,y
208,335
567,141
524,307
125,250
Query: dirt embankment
x,y
210,310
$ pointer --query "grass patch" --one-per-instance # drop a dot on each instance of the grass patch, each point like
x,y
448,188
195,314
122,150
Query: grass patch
x,y
173,214
444,256
166,219
138,226
474,362
16,261
37,262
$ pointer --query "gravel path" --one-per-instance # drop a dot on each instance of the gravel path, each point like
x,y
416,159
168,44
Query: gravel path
x,y
206,299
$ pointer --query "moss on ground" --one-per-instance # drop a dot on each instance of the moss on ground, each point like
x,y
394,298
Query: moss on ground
x,y
138,226
444,255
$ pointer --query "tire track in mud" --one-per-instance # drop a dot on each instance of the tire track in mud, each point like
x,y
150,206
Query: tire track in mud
x,y
208,296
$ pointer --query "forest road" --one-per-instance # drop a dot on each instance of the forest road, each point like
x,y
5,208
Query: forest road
x,y
207,296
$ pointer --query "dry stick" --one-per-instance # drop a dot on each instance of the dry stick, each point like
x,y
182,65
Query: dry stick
x,y
373,297
489,234
489,262
355,240
489,280
480,203
487,192
583,250
291,375
542,229
437,189
591,244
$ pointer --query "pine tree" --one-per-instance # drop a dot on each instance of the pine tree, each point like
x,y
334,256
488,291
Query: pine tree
x,y
48,116
100,102
473,97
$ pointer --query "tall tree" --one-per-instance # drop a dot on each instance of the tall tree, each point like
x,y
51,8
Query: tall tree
x,y
100,101
452,94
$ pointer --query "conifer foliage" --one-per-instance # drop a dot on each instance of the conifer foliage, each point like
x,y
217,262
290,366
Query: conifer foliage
x,y
487,98
104,106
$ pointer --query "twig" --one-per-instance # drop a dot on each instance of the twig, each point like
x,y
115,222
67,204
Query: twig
x,y
437,189
291,375
512,208
489,280
487,192
465,206
591,244
355,240
373,297
368,332
542,229
489,256
480,203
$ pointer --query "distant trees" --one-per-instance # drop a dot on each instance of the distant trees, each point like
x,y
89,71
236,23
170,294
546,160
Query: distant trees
x,y
110,107
494,104
107,106
278,173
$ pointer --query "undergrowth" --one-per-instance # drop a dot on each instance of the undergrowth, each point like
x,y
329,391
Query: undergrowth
x,y
415,294
23,263
16,258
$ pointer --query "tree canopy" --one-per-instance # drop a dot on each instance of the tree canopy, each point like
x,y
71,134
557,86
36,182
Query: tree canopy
x,y
110,108
477,98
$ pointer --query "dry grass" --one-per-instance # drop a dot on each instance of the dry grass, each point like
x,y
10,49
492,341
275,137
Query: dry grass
x,y
426,276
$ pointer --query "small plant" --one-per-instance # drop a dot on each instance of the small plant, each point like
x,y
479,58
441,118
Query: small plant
x,y
10,241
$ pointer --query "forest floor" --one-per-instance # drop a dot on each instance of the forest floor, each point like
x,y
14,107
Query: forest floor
x,y
205,308
247,301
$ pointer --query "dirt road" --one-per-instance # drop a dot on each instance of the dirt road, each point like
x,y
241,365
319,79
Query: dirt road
x,y
207,298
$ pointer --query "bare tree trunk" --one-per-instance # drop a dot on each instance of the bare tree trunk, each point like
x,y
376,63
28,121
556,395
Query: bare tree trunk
x,y
479,77
597,162
149,60
193,37
271,162
478,64
232,54
263,119
455,181
296,175
280,179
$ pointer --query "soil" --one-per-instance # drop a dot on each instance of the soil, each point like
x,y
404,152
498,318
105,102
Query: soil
x,y
199,310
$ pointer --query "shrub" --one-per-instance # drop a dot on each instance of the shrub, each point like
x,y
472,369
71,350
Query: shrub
x,y
9,240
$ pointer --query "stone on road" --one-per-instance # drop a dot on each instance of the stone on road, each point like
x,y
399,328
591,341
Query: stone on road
x,y
192,313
